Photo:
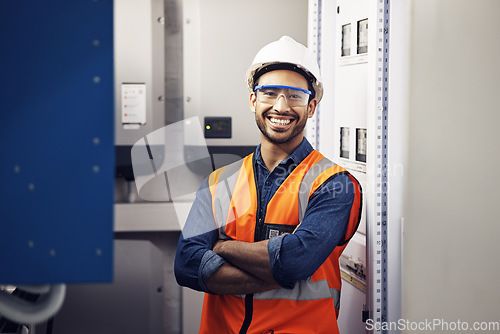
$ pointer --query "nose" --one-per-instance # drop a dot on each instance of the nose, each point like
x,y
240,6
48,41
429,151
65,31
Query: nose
x,y
281,104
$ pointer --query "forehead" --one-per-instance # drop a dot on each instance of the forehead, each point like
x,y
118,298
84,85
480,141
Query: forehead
x,y
283,77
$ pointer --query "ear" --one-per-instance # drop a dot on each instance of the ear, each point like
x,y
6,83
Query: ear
x,y
311,108
253,102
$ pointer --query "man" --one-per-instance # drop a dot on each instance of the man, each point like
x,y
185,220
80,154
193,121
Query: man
x,y
264,234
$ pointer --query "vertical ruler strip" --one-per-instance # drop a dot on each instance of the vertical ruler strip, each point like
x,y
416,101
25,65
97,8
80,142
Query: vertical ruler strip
x,y
318,54
382,124
316,48
382,63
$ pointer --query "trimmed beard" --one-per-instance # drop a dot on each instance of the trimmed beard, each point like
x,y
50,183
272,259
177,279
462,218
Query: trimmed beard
x,y
297,130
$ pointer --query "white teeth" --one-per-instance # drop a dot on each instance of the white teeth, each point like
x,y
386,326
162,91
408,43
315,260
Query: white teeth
x,y
280,121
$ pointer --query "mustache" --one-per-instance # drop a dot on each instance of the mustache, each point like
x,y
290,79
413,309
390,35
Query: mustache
x,y
285,114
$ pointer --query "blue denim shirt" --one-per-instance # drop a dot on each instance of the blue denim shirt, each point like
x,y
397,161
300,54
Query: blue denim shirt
x,y
294,256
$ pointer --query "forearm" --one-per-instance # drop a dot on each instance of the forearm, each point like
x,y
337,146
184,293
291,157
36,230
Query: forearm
x,y
252,257
231,280
194,260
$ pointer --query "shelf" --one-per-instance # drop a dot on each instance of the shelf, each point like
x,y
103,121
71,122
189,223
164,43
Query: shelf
x,y
142,217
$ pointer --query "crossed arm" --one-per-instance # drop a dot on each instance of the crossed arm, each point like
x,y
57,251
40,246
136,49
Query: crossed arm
x,y
205,263
248,269
236,267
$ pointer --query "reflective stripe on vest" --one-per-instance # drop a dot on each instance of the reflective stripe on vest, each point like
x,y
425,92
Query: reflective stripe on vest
x,y
304,290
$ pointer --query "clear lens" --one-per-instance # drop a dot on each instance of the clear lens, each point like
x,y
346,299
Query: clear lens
x,y
293,97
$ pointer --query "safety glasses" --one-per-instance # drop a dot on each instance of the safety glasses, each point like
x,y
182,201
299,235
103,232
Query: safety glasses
x,y
294,97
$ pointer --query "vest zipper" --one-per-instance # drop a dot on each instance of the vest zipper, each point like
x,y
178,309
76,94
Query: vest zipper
x,y
248,314
259,222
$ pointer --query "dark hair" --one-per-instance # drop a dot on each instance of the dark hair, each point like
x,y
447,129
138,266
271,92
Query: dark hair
x,y
285,66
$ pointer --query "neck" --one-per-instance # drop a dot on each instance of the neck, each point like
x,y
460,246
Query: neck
x,y
273,154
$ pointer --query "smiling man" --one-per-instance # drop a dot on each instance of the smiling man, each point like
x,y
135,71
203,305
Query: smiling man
x,y
264,235
284,106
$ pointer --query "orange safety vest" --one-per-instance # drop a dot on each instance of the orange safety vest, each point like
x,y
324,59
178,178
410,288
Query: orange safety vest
x,y
312,305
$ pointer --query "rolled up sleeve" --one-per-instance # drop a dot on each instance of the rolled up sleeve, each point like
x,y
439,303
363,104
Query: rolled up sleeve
x,y
210,263
195,261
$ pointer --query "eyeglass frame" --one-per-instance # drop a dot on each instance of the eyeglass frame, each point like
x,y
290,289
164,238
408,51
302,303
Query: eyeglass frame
x,y
308,92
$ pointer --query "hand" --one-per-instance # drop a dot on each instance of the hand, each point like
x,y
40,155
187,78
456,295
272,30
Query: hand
x,y
251,257
218,245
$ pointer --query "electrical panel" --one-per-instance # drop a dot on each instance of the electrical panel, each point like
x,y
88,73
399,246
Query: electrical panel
x,y
351,80
139,76
351,39
344,50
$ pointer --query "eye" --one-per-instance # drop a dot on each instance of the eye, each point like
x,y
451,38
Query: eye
x,y
268,93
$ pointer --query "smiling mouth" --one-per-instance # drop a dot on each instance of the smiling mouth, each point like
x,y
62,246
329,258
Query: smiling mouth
x,y
279,121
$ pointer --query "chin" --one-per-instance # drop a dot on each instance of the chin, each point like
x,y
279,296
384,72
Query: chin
x,y
280,139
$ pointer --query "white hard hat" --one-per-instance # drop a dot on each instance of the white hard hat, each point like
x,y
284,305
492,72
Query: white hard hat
x,y
287,51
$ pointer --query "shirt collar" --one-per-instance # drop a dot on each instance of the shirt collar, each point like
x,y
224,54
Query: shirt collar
x,y
296,157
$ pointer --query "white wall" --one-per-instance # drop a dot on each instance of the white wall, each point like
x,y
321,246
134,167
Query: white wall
x,y
452,230
221,38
